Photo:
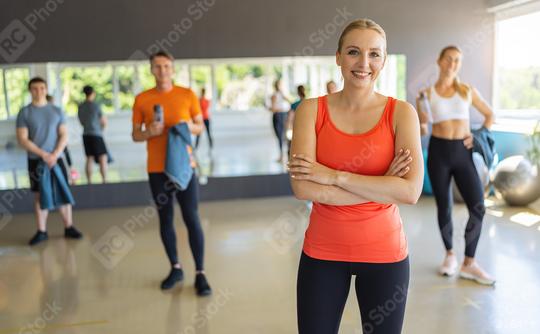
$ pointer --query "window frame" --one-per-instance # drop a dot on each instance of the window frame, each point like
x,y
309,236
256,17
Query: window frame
x,y
509,119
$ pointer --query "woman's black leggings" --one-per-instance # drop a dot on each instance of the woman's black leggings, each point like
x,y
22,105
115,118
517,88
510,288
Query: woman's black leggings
x,y
278,121
207,126
323,287
447,158
163,192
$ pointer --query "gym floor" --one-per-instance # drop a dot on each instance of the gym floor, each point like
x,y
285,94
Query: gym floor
x,y
109,281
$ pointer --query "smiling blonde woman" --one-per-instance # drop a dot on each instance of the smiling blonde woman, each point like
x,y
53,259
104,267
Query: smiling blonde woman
x,y
356,154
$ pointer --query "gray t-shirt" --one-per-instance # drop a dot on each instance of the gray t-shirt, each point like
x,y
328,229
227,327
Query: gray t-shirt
x,y
42,124
89,116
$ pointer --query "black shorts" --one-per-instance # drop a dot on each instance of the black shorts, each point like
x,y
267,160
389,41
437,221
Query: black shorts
x,y
94,145
34,176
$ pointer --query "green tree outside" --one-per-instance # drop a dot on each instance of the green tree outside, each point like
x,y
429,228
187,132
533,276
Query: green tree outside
x,y
75,78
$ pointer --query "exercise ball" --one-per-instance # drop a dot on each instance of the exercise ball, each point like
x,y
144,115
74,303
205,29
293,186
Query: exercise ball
x,y
516,180
483,174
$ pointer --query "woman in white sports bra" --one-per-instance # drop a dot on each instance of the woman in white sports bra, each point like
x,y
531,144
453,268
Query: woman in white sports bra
x,y
450,155
279,106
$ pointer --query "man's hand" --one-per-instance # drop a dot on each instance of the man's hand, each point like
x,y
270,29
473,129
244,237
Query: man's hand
x,y
155,129
50,159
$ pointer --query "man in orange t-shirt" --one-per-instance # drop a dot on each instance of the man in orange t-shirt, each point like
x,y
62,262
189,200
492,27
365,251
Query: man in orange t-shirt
x,y
205,108
154,112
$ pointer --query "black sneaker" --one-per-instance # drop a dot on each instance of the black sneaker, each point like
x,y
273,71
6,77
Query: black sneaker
x,y
201,285
176,275
72,233
38,237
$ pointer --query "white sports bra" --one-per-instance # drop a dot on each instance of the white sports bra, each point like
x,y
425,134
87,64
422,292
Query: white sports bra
x,y
281,103
448,108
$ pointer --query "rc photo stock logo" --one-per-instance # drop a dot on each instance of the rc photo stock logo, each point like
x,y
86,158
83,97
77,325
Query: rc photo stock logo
x,y
18,35
195,12
14,40
112,247
5,216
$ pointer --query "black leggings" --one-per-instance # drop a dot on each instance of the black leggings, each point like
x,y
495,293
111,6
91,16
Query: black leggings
x,y
323,287
207,126
447,158
163,192
278,121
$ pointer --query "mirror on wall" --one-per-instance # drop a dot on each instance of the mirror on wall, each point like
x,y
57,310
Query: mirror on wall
x,y
238,91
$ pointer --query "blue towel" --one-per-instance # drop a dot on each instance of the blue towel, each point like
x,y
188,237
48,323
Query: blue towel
x,y
53,187
485,145
178,161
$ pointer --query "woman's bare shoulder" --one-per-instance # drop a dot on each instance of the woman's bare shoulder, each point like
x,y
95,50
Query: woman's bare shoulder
x,y
404,111
308,107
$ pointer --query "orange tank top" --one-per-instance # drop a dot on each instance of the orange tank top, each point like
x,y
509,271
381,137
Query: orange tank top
x,y
369,232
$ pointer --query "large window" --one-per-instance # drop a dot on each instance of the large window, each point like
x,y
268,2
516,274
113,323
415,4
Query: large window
x,y
126,83
201,77
13,90
74,78
16,82
244,86
517,72
231,84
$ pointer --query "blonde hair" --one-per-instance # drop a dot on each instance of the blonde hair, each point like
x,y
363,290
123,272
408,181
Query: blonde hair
x,y
462,89
361,24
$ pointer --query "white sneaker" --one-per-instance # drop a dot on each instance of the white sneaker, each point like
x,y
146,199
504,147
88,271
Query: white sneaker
x,y
475,273
449,266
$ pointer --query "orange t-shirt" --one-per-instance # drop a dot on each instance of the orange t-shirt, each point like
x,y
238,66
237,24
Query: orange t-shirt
x,y
205,106
179,104
369,232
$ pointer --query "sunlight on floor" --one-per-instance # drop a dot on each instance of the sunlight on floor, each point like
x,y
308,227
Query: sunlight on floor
x,y
525,218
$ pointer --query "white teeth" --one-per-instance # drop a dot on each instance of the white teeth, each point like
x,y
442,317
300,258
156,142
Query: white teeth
x,y
361,74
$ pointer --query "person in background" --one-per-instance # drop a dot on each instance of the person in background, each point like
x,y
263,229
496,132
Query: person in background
x,y
331,87
178,104
93,122
279,106
42,132
301,91
450,156
205,108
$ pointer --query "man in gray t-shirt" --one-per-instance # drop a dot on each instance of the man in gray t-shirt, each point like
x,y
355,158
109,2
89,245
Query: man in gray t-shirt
x,y
42,132
93,122
90,116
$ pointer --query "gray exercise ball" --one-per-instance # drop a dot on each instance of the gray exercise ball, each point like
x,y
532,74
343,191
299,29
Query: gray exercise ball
x,y
483,174
516,180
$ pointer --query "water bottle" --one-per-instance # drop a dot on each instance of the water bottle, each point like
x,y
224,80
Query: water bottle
x,y
158,113
424,106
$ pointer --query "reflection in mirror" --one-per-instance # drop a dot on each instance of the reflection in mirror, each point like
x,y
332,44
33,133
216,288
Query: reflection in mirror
x,y
238,95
